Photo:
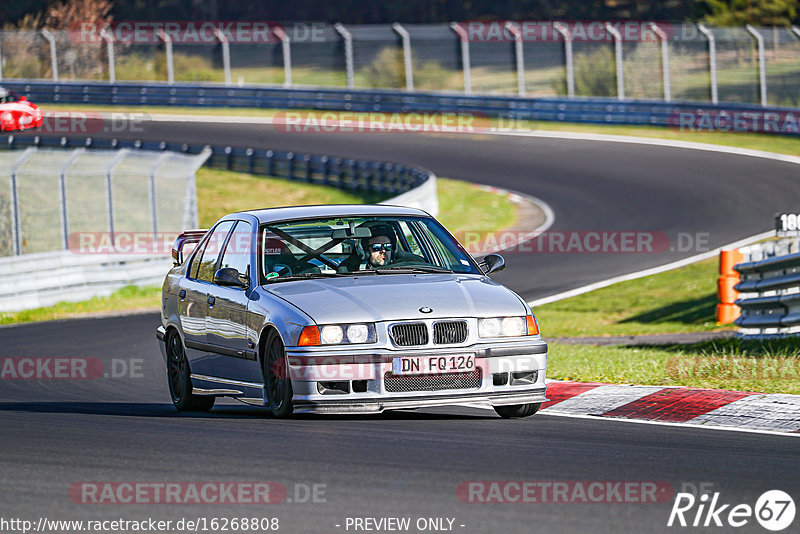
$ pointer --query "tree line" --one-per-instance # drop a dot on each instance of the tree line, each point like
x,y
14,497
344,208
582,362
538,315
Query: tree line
x,y
717,12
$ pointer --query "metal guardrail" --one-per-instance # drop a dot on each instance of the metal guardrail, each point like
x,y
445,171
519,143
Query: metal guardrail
x,y
596,111
33,280
43,279
345,173
769,291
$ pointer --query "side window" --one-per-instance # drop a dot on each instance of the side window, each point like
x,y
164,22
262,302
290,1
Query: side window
x,y
411,239
192,272
237,251
211,252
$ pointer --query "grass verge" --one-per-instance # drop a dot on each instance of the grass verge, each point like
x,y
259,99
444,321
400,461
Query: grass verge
x,y
220,192
725,364
681,300
129,298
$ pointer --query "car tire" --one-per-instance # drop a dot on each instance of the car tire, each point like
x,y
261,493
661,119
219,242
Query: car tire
x,y
277,383
179,378
517,410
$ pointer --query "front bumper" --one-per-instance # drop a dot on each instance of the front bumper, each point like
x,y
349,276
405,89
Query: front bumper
x,y
371,387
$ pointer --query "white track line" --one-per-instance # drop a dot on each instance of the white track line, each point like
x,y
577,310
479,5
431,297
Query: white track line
x,y
647,272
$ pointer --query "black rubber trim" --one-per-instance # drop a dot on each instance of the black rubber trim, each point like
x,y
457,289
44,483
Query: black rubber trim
x,y
225,351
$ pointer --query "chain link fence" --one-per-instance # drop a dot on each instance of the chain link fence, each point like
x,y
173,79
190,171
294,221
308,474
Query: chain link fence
x,y
54,200
504,58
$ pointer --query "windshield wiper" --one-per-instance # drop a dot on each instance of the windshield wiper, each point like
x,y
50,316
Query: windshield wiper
x,y
414,269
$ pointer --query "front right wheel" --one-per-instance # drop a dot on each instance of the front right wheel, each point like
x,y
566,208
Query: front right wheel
x,y
277,382
517,410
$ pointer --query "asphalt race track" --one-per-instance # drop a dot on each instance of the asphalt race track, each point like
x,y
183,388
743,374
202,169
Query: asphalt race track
x,y
591,186
122,428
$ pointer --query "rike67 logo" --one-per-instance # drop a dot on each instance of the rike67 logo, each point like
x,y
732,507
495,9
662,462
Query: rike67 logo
x,y
774,510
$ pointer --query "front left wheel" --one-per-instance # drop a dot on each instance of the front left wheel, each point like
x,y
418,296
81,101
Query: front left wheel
x,y
277,382
179,378
517,410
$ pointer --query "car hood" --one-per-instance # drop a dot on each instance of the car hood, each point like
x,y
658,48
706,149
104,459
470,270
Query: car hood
x,y
395,297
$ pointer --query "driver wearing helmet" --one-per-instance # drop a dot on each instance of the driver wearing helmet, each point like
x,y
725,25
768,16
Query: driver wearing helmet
x,y
378,250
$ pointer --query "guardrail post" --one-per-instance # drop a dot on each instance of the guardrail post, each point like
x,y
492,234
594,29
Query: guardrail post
x,y
16,230
517,33
351,164
712,61
290,165
53,54
339,172
226,55
62,194
727,311
250,163
112,68
662,36
406,38
170,65
465,64
326,169
286,48
1,59
309,168
348,52
118,157
562,29
762,63
618,55
153,205
270,163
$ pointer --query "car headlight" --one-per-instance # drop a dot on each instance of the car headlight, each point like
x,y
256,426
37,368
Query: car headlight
x,y
508,326
338,334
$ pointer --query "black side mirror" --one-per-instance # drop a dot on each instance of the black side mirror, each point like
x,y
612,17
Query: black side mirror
x,y
492,263
230,277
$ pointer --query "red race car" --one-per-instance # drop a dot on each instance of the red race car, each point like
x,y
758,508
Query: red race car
x,y
17,113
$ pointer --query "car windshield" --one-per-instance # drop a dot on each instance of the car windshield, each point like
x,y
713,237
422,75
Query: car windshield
x,y
371,245
8,96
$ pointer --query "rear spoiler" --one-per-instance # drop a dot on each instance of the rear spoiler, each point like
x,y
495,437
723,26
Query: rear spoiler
x,y
189,236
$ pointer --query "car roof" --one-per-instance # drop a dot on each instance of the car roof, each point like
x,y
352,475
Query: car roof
x,y
268,215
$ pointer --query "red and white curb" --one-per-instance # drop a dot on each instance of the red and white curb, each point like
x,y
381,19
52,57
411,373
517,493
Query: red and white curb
x,y
712,408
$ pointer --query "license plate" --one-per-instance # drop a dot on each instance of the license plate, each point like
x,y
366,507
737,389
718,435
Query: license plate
x,y
433,365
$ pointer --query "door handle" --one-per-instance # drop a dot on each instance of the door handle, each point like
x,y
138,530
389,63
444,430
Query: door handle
x,y
182,294
211,300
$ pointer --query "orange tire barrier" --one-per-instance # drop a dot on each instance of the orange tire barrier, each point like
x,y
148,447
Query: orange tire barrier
x,y
727,311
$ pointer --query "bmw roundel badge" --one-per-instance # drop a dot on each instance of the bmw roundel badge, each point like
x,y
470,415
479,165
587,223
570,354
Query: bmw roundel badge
x,y
425,309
